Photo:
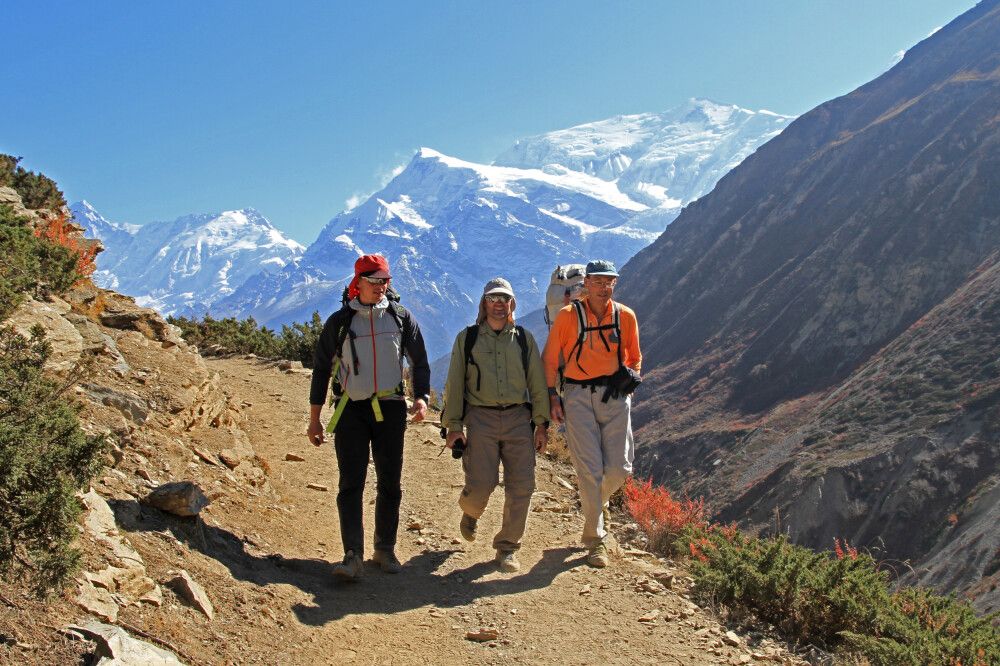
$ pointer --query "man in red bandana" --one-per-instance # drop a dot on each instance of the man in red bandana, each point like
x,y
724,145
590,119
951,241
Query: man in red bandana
x,y
362,348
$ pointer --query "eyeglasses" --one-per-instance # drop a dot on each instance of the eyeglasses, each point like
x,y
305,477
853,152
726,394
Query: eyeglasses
x,y
498,298
375,280
603,281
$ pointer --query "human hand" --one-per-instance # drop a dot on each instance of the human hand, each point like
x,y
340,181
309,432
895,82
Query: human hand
x,y
315,433
541,438
556,411
452,438
418,410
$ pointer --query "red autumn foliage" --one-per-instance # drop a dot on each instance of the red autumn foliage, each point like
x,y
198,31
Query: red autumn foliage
x,y
846,551
58,230
658,514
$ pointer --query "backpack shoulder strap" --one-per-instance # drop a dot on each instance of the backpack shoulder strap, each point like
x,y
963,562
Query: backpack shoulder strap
x,y
616,319
399,315
471,335
522,342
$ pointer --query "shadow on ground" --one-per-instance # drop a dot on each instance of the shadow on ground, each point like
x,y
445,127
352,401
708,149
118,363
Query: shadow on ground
x,y
417,586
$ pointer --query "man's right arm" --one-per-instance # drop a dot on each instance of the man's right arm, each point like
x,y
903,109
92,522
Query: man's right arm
x,y
315,429
454,386
323,362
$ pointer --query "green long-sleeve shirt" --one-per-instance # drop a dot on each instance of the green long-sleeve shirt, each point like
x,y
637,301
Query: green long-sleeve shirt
x,y
503,380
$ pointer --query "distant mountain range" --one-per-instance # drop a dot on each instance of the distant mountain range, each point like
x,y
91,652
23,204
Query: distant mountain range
x,y
448,225
184,267
821,339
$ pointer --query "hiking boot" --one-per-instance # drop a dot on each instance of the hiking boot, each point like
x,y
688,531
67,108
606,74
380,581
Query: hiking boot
x,y
468,527
606,513
350,568
598,556
507,560
387,561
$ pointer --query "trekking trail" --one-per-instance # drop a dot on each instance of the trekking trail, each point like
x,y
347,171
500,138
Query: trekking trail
x,y
450,604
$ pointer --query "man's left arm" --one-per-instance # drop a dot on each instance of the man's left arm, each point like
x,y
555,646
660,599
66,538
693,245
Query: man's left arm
x,y
537,388
632,356
539,392
416,354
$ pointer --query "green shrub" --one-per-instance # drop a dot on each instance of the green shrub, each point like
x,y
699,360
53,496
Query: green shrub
x,y
840,601
45,458
29,264
295,343
36,190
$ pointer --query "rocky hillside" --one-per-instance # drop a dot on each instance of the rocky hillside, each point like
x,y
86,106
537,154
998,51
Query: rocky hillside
x,y
790,377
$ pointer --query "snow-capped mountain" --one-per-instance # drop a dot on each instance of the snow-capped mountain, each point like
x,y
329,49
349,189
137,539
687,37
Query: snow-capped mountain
x,y
185,266
665,160
604,189
446,226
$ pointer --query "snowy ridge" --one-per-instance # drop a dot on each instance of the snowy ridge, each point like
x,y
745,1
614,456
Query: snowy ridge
x,y
661,159
605,189
185,266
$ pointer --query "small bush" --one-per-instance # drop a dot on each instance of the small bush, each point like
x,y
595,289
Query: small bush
x,y
58,231
36,190
295,343
659,515
30,264
45,458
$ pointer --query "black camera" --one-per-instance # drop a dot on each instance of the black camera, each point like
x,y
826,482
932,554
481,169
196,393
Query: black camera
x,y
458,448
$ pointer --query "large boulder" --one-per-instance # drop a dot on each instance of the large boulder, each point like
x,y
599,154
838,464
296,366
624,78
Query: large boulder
x,y
181,498
66,341
115,647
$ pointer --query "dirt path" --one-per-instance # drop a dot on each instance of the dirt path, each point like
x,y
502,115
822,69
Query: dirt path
x,y
556,610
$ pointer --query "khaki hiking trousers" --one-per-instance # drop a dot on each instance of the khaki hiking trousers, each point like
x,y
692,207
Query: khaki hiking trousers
x,y
599,437
494,436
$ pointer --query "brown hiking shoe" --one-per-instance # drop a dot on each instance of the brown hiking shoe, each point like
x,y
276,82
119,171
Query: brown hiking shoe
x,y
468,527
387,561
350,569
598,556
507,560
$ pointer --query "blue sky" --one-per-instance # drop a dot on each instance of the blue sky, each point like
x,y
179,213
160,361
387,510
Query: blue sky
x,y
155,110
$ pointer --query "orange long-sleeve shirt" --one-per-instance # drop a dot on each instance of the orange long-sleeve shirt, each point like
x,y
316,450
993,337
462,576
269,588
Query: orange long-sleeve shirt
x,y
595,359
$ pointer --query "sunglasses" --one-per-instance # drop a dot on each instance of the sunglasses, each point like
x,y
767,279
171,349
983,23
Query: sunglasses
x,y
375,280
498,298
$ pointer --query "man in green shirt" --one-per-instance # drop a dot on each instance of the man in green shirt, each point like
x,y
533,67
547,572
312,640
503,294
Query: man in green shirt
x,y
493,397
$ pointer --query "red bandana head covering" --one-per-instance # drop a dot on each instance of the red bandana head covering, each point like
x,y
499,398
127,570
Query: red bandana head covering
x,y
370,265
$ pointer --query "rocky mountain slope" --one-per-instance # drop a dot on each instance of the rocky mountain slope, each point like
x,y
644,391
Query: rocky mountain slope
x,y
184,267
805,266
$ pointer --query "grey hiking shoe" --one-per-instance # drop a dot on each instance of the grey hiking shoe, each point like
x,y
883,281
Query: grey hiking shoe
x,y
598,556
387,561
468,527
507,561
350,569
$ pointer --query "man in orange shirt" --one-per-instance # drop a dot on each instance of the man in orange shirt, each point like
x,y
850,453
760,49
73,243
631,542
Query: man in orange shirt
x,y
596,340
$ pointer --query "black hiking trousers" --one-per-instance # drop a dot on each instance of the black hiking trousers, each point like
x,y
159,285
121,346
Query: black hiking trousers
x,y
356,431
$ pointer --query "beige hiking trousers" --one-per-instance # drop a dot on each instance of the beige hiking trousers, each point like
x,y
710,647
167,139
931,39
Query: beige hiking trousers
x,y
495,436
599,437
